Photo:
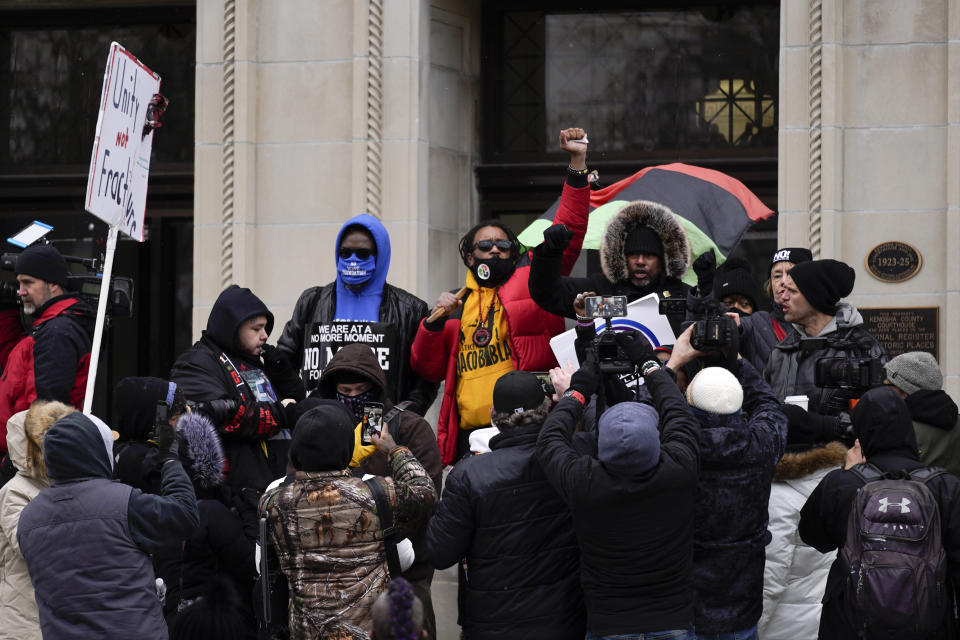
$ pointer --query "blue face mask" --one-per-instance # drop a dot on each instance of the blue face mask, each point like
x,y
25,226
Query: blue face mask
x,y
354,271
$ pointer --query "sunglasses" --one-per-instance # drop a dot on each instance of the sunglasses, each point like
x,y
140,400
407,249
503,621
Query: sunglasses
x,y
487,245
362,254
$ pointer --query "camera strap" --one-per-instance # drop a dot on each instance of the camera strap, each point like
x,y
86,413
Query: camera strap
x,y
385,513
235,376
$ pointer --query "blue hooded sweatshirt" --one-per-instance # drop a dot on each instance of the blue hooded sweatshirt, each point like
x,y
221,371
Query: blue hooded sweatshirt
x,y
364,305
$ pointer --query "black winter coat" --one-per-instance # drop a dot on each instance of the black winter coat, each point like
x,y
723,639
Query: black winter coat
x,y
738,455
500,513
635,532
883,425
398,307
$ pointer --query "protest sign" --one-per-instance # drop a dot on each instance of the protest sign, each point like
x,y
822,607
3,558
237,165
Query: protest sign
x,y
327,338
642,314
120,162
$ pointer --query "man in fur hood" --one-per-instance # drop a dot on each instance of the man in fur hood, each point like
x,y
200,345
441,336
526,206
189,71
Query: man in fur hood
x,y
644,250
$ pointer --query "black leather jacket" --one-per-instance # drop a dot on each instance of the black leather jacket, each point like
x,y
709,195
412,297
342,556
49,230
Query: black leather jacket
x,y
398,307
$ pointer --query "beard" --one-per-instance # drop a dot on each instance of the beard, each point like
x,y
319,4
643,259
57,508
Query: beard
x,y
642,278
28,308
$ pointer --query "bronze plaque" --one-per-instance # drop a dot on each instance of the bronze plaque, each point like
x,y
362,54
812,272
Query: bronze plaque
x,y
904,329
893,261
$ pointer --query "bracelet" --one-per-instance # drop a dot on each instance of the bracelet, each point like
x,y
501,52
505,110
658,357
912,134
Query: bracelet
x,y
577,172
584,319
649,367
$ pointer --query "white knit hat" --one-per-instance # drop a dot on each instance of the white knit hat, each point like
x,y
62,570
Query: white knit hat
x,y
715,390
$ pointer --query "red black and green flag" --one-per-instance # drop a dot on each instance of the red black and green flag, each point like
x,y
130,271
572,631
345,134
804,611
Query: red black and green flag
x,y
714,208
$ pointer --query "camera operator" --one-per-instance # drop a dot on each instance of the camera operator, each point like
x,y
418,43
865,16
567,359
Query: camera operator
x,y
831,359
51,362
633,504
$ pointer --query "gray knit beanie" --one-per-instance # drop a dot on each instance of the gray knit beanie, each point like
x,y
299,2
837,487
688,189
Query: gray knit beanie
x,y
914,371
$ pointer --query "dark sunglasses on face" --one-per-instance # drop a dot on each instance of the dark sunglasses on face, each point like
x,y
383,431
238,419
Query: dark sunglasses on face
x,y
362,254
487,245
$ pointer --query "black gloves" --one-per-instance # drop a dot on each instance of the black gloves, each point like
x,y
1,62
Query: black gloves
x,y
275,362
586,379
705,266
804,427
219,411
556,239
635,346
167,442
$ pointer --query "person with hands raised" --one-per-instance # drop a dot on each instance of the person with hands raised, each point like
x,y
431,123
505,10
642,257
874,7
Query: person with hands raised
x,y
636,578
491,325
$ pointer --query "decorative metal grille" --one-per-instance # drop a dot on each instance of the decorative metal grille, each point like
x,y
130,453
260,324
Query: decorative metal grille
x,y
641,81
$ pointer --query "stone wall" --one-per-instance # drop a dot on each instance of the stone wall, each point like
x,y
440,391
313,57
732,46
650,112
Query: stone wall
x,y
869,106
309,112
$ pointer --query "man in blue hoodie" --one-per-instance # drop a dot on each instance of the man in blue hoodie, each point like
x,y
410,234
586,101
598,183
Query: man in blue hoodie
x,y
360,306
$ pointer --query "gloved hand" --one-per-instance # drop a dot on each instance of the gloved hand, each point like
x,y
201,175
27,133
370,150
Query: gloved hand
x,y
360,451
219,411
804,427
167,442
556,239
705,266
275,362
586,379
635,345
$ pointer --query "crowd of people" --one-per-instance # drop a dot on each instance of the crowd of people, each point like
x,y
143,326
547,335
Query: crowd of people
x,y
790,482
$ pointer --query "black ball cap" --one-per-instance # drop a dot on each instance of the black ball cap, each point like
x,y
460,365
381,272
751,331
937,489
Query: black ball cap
x,y
516,392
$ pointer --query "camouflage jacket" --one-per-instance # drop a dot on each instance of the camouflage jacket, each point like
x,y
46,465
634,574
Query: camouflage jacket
x,y
328,537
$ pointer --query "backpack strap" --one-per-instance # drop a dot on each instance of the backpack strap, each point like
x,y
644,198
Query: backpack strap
x,y
867,472
385,513
395,412
926,474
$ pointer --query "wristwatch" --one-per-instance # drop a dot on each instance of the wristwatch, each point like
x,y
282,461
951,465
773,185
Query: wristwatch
x,y
649,367
573,393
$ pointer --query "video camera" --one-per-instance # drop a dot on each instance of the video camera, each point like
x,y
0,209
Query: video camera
x,y
852,373
87,286
610,357
714,332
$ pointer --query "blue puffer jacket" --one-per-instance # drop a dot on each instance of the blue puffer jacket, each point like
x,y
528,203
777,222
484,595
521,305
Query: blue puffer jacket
x,y
738,455
500,513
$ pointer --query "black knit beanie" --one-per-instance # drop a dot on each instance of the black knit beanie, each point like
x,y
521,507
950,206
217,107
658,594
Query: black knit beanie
x,y
796,255
736,278
322,440
135,405
643,239
44,262
823,283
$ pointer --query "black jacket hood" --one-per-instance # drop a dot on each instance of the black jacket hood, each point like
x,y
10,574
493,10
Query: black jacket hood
x,y
357,359
232,307
933,407
883,424
74,449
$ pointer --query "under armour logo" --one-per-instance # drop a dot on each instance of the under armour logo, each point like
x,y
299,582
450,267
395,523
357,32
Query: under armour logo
x,y
885,502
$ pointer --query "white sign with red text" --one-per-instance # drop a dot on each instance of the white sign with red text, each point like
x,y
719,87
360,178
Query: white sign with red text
x,y
120,163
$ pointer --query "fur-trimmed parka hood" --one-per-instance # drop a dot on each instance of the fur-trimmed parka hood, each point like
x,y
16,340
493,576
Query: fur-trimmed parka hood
x,y
798,465
676,246
200,450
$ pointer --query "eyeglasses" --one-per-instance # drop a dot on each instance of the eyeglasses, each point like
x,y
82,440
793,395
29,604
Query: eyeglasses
x,y
487,245
362,254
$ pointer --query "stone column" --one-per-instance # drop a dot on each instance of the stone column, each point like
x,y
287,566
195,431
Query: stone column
x,y
868,144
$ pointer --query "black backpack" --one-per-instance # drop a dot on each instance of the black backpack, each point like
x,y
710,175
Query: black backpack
x,y
896,567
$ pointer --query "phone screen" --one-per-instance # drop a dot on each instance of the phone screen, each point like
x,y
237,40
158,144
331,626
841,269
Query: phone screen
x,y
372,421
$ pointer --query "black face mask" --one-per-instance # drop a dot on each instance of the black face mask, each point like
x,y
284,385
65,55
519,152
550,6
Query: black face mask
x,y
492,272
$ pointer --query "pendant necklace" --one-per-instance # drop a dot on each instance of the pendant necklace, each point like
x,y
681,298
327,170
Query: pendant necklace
x,y
483,333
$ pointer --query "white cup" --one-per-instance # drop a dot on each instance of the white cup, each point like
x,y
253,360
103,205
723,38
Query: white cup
x,y
800,401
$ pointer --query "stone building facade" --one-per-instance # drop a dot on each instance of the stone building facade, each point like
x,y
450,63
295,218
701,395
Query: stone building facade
x,y
308,112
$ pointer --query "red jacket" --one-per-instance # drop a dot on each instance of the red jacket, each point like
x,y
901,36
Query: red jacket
x,y
433,354
51,363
